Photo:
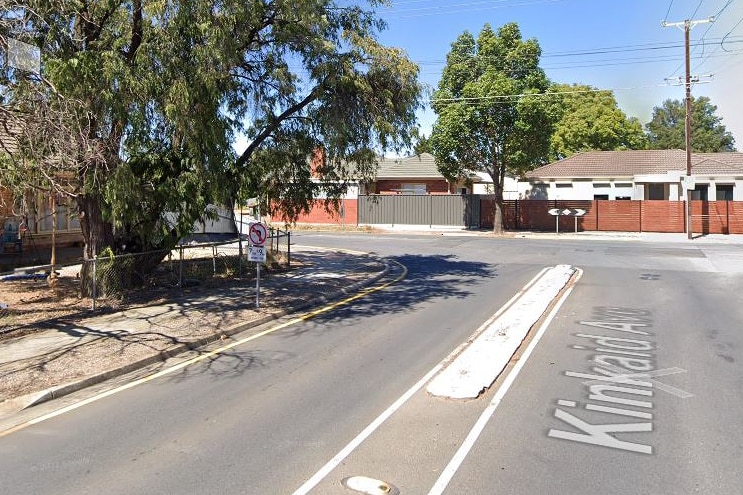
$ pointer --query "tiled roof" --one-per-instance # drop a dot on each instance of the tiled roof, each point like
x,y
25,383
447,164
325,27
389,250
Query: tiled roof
x,y
421,166
618,164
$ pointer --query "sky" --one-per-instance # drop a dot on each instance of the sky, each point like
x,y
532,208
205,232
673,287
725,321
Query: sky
x,y
617,45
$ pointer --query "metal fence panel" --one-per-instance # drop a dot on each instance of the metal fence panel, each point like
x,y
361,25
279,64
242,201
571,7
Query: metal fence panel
x,y
408,209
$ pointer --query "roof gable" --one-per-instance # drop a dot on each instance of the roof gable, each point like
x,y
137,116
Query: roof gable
x,y
421,166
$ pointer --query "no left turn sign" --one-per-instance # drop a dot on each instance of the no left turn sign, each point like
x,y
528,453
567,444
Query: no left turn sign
x,y
258,234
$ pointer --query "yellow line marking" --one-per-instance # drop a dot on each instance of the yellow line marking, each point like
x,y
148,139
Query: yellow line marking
x,y
208,355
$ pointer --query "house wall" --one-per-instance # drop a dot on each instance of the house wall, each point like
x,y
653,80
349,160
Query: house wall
x,y
510,188
347,215
636,188
6,203
433,186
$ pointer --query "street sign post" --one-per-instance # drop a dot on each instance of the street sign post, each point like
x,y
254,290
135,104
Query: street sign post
x,y
566,212
257,234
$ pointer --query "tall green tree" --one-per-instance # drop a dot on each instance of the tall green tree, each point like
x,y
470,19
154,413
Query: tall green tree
x,y
491,115
590,120
667,129
134,113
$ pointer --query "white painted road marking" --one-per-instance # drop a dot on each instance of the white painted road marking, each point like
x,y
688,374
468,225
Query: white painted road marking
x,y
476,430
478,366
456,461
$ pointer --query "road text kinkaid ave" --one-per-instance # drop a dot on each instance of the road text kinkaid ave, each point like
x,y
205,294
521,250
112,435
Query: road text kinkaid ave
x,y
615,398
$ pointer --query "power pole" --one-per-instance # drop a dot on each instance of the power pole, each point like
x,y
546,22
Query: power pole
x,y
686,26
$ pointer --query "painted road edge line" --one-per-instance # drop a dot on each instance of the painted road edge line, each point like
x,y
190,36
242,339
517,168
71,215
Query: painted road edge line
x,y
208,355
479,364
450,470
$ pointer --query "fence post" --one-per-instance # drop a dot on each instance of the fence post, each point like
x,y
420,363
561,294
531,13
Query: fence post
x,y
240,251
288,249
214,260
95,282
180,268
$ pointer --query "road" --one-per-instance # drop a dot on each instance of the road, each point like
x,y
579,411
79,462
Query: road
x,y
342,395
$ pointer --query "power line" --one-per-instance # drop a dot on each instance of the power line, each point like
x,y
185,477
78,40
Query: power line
x,y
477,99
460,8
668,11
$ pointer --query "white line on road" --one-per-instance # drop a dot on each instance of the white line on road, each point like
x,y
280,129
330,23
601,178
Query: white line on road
x,y
456,461
353,444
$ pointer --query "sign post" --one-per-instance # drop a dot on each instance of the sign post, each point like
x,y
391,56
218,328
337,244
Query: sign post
x,y
257,253
557,213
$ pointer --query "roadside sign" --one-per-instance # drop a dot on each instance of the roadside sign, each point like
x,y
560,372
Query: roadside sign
x,y
258,234
568,212
257,254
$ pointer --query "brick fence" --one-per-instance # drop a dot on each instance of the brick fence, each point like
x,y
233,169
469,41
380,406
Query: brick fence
x,y
708,217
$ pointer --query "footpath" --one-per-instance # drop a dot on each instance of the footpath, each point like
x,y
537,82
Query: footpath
x,y
62,356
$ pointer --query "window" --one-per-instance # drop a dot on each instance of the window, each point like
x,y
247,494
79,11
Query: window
x,y
700,192
724,192
623,198
656,192
600,197
563,184
409,188
599,185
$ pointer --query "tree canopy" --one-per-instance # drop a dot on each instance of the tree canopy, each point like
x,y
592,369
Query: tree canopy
x,y
667,129
590,120
491,116
134,113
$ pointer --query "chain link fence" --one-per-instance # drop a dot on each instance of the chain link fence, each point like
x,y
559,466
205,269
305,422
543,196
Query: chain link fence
x,y
187,265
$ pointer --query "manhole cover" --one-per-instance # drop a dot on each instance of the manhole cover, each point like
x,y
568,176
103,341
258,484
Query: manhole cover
x,y
369,486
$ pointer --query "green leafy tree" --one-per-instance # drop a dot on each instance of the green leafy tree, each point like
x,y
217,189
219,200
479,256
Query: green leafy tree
x,y
134,113
667,129
590,120
421,143
491,115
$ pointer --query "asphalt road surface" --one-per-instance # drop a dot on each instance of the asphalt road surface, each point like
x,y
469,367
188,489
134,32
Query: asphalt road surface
x,y
632,384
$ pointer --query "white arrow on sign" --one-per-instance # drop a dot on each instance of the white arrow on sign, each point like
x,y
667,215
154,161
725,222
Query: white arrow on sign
x,y
567,211
578,212
554,211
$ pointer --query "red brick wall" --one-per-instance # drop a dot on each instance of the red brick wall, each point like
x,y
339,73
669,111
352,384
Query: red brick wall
x,y
319,215
6,204
708,217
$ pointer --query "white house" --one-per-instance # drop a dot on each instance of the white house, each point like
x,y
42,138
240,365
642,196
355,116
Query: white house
x,y
639,175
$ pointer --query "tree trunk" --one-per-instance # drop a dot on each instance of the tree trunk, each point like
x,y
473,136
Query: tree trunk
x,y
498,204
97,234
498,216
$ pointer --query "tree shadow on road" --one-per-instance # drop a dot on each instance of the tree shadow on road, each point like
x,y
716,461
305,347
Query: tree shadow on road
x,y
428,278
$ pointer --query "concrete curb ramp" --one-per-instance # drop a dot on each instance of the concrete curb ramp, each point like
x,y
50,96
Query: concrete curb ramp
x,y
476,367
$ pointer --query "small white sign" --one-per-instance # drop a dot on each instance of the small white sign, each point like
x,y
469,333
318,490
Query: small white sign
x,y
689,181
257,254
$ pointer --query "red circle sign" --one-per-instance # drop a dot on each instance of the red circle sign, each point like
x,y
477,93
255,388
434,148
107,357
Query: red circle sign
x,y
258,234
